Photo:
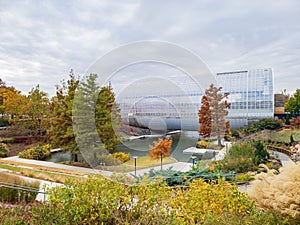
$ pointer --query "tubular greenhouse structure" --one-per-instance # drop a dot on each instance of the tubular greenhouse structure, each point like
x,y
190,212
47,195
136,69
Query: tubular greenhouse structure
x,y
165,106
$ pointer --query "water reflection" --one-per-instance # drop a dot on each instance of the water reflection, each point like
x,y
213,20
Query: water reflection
x,y
140,147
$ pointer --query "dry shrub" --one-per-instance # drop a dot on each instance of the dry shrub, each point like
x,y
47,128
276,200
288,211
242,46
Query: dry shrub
x,y
280,192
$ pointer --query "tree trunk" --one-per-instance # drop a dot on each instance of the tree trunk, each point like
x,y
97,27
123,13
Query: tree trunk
x,y
75,157
95,163
219,141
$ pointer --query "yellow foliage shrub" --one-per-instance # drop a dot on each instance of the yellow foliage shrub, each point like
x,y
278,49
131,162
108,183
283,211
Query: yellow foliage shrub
x,y
202,201
280,192
121,156
202,144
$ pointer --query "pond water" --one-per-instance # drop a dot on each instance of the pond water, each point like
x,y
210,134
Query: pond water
x,y
140,147
59,157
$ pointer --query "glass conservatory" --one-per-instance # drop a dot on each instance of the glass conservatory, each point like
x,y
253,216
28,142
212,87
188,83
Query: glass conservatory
x,y
172,102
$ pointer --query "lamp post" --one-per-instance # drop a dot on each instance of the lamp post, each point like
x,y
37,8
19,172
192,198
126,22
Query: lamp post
x,y
193,159
160,161
135,157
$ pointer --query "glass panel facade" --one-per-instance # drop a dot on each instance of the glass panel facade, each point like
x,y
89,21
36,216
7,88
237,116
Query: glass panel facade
x,y
251,94
251,98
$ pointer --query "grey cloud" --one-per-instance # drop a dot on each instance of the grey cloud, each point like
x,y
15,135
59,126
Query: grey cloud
x,y
227,35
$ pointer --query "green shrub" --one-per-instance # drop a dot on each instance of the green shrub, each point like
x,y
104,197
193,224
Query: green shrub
x,y
107,160
235,134
121,156
268,123
97,200
244,177
174,177
292,139
4,151
261,155
250,129
37,153
202,144
4,122
239,159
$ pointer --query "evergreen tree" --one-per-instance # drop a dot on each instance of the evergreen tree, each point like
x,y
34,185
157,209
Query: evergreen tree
x,y
61,131
108,118
84,118
97,120
218,106
204,118
260,154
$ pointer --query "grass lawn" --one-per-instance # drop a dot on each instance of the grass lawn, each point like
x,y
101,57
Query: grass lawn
x,y
202,164
39,172
146,162
280,136
285,135
60,175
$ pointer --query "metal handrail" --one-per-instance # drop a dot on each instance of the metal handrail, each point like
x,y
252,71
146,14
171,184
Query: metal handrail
x,y
21,188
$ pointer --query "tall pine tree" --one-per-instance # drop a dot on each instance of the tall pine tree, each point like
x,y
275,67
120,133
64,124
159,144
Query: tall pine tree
x,y
84,119
97,120
61,130
108,118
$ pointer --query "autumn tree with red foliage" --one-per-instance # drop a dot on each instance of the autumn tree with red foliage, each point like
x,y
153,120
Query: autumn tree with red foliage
x,y
295,123
161,149
218,105
204,114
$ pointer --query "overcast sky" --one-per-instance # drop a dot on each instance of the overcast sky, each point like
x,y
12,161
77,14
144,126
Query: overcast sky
x,y
40,41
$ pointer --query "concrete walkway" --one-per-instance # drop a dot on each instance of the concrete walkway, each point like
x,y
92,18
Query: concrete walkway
x,y
285,160
179,166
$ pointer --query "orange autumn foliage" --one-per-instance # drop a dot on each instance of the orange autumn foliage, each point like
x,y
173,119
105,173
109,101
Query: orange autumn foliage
x,y
161,148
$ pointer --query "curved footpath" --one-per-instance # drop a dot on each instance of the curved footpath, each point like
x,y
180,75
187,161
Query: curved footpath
x,y
285,160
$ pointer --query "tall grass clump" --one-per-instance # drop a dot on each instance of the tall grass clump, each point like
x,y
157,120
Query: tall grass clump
x,y
280,192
